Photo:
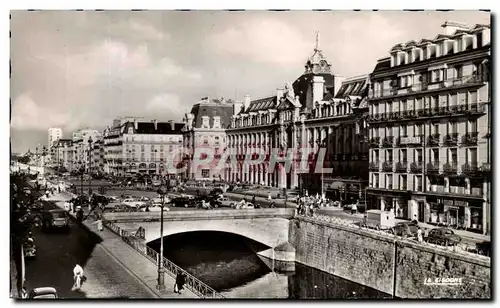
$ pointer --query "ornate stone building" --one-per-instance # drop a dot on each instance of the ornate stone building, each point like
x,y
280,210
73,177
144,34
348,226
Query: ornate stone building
x,y
317,110
205,127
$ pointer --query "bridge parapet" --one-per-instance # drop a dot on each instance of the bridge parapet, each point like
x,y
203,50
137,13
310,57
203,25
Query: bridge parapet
x,y
200,215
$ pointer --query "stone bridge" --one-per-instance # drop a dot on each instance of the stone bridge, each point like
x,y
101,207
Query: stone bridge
x,y
267,226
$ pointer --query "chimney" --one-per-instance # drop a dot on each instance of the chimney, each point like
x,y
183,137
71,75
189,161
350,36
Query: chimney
x,y
156,124
318,88
237,107
451,26
136,124
190,118
246,102
280,93
172,124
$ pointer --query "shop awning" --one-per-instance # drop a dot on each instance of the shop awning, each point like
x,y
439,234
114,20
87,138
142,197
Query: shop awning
x,y
337,185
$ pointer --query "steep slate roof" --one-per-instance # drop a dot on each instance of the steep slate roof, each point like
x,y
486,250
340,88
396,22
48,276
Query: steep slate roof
x,y
354,87
302,83
262,104
224,110
382,64
163,128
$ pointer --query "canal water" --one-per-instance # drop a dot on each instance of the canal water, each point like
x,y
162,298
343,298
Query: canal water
x,y
228,263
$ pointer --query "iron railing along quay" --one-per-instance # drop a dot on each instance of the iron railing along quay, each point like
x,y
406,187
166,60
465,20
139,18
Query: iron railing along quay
x,y
197,286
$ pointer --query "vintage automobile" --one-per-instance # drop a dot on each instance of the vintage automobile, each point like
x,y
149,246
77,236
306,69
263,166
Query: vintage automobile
x,y
406,229
484,248
378,219
183,202
243,204
225,202
29,249
443,236
55,219
43,293
27,190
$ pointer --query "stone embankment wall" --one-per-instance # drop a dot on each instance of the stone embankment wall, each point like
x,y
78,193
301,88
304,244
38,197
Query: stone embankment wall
x,y
352,254
416,263
385,263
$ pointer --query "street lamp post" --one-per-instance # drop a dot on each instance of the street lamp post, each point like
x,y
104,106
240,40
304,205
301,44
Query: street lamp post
x,y
161,271
81,178
90,166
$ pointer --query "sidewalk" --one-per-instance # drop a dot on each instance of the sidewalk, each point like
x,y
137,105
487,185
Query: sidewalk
x,y
132,261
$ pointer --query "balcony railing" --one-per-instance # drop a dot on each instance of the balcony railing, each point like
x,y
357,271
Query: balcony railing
x,y
470,168
416,166
387,166
433,167
423,86
375,142
407,141
374,166
450,167
402,166
455,110
470,138
388,141
433,140
451,139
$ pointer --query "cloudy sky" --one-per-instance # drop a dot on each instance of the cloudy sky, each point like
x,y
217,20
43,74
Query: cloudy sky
x,y
82,69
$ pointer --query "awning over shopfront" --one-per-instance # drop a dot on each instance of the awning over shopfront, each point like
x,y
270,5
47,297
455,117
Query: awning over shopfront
x,y
337,185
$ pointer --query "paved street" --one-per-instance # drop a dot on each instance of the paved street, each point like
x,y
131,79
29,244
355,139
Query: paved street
x,y
57,255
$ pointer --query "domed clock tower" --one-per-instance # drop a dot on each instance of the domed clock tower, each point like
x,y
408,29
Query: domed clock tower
x,y
317,63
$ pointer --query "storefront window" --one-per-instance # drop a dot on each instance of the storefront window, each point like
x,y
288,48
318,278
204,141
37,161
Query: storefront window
x,y
476,219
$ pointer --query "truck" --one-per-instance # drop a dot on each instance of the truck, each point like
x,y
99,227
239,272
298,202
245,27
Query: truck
x,y
378,219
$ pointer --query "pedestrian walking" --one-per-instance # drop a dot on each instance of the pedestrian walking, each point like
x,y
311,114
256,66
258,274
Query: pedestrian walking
x,y
180,280
419,235
354,209
78,277
99,223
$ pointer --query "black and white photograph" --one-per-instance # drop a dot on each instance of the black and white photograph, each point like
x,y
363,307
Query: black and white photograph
x,y
250,154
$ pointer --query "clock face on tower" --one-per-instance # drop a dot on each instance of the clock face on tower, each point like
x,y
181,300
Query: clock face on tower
x,y
322,64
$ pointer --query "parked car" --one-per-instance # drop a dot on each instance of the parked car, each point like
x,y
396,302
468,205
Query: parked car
x,y
443,236
43,293
484,248
216,192
29,249
55,219
225,202
182,202
406,229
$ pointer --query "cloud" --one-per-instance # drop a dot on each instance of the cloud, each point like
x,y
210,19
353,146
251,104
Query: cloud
x,y
165,103
26,115
263,40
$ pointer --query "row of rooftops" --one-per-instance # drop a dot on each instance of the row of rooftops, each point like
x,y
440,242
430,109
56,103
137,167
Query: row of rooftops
x,y
458,29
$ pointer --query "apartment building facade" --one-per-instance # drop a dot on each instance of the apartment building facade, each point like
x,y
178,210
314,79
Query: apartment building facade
x,y
205,127
337,123
145,147
98,156
82,145
430,129
62,149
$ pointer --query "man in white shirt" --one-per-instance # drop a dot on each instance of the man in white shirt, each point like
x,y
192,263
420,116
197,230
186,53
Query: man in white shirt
x,y
77,272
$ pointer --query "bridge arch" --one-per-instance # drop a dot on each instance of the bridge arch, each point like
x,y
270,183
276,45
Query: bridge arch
x,y
267,231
